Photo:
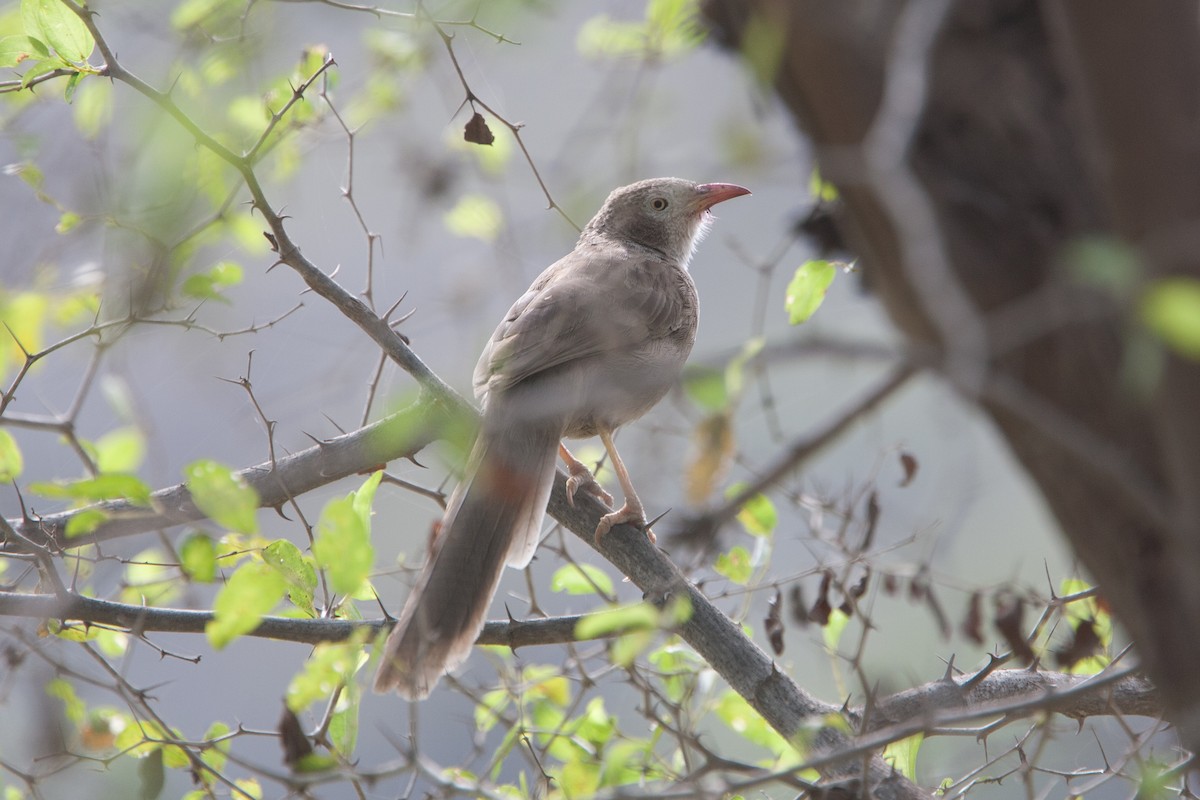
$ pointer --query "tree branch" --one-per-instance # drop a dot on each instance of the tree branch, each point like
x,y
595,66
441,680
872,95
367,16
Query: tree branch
x,y
142,619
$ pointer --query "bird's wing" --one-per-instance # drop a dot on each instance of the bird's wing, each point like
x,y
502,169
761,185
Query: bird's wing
x,y
578,309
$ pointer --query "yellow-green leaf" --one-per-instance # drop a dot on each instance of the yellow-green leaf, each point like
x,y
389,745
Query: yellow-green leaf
x,y
15,49
735,565
114,486
58,26
11,462
332,664
343,543
1171,309
741,718
807,290
902,755
297,570
640,616
475,216
757,515
706,387
93,108
252,591
85,521
223,496
834,629
581,579
209,285
198,557
120,450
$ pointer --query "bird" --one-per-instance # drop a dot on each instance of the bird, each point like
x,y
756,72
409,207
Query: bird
x,y
594,343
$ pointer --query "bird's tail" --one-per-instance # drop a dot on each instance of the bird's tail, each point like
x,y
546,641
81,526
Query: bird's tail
x,y
494,518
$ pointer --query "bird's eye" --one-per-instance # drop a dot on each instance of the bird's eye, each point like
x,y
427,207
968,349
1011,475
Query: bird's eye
x,y
659,203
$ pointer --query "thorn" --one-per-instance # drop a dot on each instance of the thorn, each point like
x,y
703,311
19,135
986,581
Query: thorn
x,y
341,430
646,528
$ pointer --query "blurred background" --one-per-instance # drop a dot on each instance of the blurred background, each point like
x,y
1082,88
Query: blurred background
x,y
462,230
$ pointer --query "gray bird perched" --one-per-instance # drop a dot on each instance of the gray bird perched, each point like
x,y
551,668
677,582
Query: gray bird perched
x,y
596,341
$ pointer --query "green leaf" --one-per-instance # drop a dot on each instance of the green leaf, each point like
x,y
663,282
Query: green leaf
x,y
216,755
343,724
92,108
85,521
59,27
209,285
72,86
343,543
150,579
1171,309
364,498
807,290
114,486
627,647
191,13
151,775
315,762
252,591
902,755
834,629
11,462
15,49
488,709
706,387
758,515
198,557
120,450
639,616
735,372
74,708
222,496
581,579
670,29
475,216
735,565
66,223
1108,264
38,69
331,665
820,188
742,719
297,570
579,778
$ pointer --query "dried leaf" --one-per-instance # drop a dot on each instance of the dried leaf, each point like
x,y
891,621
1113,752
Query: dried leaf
x,y
477,130
909,462
1084,643
872,520
713,440
972,626
822,608
799,610
1009,613
291,736
773,624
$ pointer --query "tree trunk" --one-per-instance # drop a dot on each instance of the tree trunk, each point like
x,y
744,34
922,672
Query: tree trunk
x,y
976,144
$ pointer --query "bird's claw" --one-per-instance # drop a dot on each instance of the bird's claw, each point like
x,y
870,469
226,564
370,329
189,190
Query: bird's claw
x,y
625,515
581,478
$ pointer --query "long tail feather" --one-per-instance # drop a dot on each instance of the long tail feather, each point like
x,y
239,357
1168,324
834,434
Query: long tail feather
x,y
494,517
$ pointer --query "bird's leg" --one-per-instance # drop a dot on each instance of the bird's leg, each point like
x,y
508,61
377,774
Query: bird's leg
x,y
582,478
632,511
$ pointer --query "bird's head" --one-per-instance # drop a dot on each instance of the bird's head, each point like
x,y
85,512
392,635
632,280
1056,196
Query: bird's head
x,y
669,215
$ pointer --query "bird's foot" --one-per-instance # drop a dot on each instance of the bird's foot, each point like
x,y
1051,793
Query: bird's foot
x,y
626,514
582,478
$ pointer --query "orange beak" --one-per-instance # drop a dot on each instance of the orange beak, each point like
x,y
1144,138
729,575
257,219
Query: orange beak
x,y
713,193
